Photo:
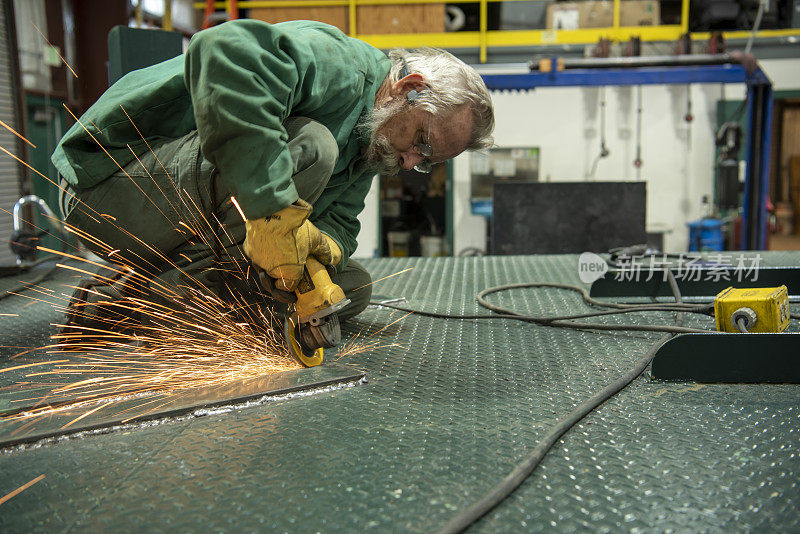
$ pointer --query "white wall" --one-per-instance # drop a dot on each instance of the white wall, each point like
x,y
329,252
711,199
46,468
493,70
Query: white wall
x,y
564,123
368,236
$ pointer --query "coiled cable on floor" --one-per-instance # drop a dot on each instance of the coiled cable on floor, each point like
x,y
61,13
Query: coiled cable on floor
x,y
568,321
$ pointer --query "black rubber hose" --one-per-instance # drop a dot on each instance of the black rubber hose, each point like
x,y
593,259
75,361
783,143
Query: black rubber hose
x,y
478,509
565,321
464,519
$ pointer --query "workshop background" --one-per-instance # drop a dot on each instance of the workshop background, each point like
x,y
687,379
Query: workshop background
x,y
701,160
663,135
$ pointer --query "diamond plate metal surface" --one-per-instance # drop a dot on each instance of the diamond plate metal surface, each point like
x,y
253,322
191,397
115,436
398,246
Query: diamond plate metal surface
x,y
450,407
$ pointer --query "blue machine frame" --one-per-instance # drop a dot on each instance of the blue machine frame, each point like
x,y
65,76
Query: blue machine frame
x,y
759,117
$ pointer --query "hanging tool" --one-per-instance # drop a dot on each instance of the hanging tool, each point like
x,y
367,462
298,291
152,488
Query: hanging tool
x,y
638,161
729,141
313,324
604,152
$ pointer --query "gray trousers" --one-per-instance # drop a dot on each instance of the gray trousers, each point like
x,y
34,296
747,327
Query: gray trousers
x,y
170,215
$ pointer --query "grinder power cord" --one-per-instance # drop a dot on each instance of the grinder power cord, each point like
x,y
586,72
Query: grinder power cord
x,y
523,469
568,321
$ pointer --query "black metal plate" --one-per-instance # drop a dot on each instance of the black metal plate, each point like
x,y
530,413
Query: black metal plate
x,y
723,357
557,218
702,282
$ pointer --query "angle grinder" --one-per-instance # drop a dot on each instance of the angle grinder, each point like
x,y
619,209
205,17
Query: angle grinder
x,y
313,324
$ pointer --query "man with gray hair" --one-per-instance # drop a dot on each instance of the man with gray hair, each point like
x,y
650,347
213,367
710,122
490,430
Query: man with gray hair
x,y
269,135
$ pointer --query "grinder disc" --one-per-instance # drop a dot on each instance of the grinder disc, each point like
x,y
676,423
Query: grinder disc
x,y
292,334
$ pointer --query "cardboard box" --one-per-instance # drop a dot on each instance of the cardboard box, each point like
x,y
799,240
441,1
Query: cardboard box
x,y
421,18
640,13
575,15
335,16
600,14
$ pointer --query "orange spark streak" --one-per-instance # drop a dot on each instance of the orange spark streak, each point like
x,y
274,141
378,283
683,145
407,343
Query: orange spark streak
x,y
390,324
9,314
72,256
187,227
30,365
146,143
21,489
90,412
54,50
151,178
384,278
238,208
28,166
162,166
12,130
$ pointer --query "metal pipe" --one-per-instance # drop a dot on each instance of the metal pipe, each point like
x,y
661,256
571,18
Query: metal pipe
x,y
166,20
645,61
33,199
761,5
138,15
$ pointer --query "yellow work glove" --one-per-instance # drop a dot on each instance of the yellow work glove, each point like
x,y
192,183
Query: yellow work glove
x,y
329,253
280,244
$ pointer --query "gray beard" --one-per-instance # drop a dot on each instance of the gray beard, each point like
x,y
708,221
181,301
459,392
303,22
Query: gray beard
x,y
379,151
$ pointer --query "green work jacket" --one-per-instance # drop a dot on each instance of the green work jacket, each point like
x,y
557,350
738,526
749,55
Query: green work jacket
x,y
235,85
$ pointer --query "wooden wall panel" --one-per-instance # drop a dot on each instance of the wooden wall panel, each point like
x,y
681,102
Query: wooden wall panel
x,y
794,189
93,20
335,16
369,19
420,18
790,144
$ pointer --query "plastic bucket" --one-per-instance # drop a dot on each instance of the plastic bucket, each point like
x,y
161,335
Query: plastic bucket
x,y
431,245
398,244
706,234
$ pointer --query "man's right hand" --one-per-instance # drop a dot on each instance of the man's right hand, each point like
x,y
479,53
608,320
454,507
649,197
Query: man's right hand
x,y
281,243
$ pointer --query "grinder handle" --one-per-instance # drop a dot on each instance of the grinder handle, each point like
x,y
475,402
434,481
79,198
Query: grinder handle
x,y
316,290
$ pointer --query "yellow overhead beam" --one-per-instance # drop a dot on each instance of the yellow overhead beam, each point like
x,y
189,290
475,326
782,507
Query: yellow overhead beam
x,y
794,32
317,3
521,37
482,31
166,21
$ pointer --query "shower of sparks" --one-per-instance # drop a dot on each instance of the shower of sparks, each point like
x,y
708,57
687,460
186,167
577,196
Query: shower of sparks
x,y
151,340
55,50
21,489
155,339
